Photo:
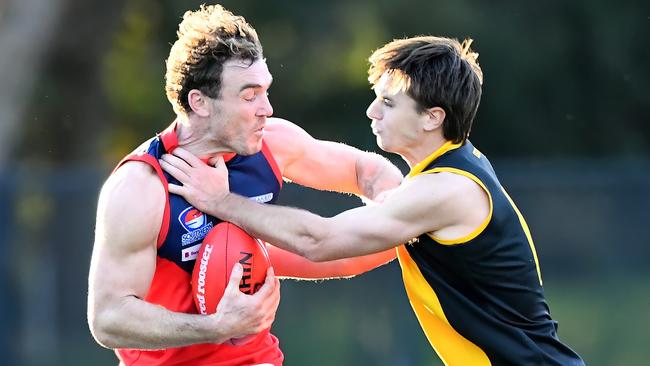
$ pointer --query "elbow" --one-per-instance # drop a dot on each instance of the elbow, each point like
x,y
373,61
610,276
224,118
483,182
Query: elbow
x,y
315,241
375,174
101,329
99,333
315,256
317,251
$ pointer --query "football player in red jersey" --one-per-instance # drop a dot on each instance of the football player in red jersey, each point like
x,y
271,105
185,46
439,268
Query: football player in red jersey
x,y
469,264
139,298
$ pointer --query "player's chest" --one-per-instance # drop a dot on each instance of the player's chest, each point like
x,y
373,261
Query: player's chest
x,y
188,226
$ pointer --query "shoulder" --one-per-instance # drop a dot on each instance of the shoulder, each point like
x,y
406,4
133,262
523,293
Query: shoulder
x,y
445,183
461,199
444,191
278,132
442,184
134,177
132,200
281,125
286,140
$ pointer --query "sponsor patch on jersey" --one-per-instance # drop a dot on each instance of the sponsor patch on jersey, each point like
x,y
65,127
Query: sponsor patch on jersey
x,y
263,198
195,223
190,253
191,218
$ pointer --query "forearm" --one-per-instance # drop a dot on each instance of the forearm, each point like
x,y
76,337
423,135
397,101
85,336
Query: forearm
x,y
354,266
129,322
290,265
358,265
375,174
295,230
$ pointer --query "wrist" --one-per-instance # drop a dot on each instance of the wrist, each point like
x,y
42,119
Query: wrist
x,y
216,205
217,329
224,208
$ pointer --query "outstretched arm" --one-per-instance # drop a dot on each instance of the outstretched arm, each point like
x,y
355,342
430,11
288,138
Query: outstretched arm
x,y
449,205
332,166
327,165
289,265
122,267
412,209
357,232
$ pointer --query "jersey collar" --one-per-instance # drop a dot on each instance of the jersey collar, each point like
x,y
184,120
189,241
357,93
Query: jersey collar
x,y
419,167
169,140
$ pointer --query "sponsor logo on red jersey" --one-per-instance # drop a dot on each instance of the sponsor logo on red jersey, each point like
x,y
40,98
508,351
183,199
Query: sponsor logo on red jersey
x,y
195,223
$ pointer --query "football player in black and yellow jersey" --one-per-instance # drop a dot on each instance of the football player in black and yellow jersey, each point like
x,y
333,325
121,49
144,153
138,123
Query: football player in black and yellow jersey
x,y
468,261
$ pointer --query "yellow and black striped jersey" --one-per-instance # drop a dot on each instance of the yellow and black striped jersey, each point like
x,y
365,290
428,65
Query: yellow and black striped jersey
x,y
479,299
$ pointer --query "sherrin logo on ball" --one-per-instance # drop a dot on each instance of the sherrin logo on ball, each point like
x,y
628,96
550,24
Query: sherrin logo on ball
x,y
200,286
223,246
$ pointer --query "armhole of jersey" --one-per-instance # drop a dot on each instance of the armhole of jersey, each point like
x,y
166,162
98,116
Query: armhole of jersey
x,y
148,159
274,165
478,230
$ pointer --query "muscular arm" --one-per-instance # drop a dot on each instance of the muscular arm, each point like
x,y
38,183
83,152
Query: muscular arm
x,y
290,265
360,231
122,267
332,166
447,204
327,165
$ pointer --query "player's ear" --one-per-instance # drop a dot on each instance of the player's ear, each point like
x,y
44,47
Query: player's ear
x,y
199,103
434,117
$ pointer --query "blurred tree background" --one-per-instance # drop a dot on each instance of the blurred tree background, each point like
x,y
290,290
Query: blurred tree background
x,y
563,118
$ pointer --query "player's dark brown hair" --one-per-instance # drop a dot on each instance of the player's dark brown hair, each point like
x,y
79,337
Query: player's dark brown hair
x,y
207,38
435,72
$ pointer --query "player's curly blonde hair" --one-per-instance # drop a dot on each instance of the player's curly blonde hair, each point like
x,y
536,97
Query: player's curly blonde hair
x,y
207,38
435,72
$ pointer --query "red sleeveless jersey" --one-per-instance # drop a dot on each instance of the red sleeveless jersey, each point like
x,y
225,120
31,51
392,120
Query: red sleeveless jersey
x,y
182,231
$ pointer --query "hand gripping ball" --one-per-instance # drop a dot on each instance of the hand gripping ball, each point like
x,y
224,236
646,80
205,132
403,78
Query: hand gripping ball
x,y
225,245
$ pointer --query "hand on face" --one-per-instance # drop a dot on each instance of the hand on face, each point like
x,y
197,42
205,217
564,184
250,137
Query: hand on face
x,y
202,186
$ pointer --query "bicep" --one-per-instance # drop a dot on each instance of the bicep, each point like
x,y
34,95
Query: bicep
x,y
327,166
323,165
124,253
369,229
412,210
120,266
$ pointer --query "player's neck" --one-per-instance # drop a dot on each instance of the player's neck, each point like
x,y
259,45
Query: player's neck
x,y
198,142
421,151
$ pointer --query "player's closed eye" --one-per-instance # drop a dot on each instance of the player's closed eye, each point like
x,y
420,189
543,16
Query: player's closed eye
x,y
250,97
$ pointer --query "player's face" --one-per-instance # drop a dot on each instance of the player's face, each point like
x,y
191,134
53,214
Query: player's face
x,y
395,119
241,111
